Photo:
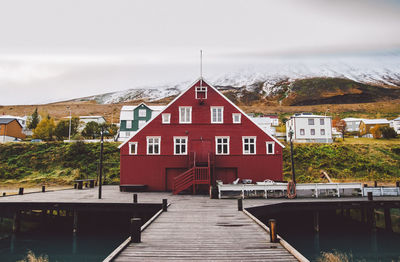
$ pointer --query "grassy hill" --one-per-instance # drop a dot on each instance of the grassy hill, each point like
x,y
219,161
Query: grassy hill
x,y
60,163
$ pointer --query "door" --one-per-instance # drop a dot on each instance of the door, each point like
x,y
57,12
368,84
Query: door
x,y
201,147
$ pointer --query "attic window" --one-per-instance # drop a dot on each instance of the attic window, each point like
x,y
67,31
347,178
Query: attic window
x,y
201,92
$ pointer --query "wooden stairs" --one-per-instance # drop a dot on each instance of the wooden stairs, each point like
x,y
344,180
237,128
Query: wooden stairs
x,y
195,175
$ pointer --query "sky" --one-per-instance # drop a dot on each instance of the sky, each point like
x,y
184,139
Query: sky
x,y
56,50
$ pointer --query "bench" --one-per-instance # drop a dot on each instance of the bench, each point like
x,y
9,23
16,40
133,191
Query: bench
x,y
132,188
88,183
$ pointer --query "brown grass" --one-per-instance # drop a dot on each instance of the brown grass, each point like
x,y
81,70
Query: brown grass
x,y
31,257
334,256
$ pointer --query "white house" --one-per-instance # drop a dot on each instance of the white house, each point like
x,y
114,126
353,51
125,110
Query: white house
x,y
352,124
309,128
266,123
395,124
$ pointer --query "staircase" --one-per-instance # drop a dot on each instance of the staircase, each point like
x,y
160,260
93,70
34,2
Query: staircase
x,y
196,175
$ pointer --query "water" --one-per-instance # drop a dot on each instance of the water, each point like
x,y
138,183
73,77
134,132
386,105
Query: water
x,y
337,233
61,246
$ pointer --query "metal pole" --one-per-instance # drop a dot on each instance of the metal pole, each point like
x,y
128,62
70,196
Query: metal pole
x,y
70,118
291,155
101,161
327,125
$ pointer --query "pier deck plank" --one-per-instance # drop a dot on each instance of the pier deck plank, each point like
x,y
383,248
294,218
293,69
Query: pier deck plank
x,y
203,229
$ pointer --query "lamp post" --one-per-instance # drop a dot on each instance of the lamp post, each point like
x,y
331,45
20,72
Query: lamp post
x,y
101,160
291,155
70,118
327,126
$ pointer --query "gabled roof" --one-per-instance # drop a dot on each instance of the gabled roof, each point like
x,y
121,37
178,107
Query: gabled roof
x,y
352,119
153,108
6,121
397,119
218,92
375,121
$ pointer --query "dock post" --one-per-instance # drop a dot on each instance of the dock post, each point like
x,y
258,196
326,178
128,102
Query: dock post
x,y
240,204
16,222
388,219
75,224
4,193
21,191
136,223
164,205
134,198
272,231
370,196
375,184
43,189
316,221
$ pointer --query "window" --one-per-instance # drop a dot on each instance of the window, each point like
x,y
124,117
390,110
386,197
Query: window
x,y
133,148
249,145
302,132
142,112
222,145
312,132
180,145
201,92
270,148
185,114
217,114
236,117
322,132
153,145
166,118
141,123
128,134
322,121
128,124
311,121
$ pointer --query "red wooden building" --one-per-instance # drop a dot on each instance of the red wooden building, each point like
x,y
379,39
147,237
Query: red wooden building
x,y
200,137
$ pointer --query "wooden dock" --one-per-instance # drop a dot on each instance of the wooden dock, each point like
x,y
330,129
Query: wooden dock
x,y
198,228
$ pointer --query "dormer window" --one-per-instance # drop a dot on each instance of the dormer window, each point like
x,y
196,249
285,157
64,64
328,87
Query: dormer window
x,y
201,92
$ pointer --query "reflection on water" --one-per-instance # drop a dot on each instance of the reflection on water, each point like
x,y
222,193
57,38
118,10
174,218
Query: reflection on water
x,y
337,233
61,246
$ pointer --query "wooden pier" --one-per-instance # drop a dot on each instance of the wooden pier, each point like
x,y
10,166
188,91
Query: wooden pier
x,y
199,228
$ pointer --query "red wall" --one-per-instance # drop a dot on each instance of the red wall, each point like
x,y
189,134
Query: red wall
x,y
151,170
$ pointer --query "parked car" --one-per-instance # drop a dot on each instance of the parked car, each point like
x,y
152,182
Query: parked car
x,y
36,140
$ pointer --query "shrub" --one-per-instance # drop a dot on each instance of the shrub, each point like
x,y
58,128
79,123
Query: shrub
x,y
388,132
376,132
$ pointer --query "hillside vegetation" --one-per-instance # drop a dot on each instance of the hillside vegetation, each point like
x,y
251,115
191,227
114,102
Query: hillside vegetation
x,y
60,163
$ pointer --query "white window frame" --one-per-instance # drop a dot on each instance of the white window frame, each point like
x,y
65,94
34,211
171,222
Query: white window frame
x,y
143,123
166,118
201,89
141,111
302,133
216,145
322,129
311,132
322,121
273,147
130,124
212,108
186,145
255,145
185,121
130,151
311,120
148,145
240,118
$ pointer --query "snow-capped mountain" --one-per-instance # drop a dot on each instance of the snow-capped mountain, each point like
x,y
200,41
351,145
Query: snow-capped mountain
x,y
375,70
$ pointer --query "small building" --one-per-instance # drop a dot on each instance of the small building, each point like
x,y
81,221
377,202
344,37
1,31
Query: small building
x,y
273,119
395,124
200,138
132,118
367,124
352,124
10,130
309,128
266,123
83,120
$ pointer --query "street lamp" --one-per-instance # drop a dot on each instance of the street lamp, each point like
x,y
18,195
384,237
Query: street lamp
x,y
326,129
291,154
70,118
101,161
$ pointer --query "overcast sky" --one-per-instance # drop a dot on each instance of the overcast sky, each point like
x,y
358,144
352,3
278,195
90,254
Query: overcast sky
x,y
52,50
